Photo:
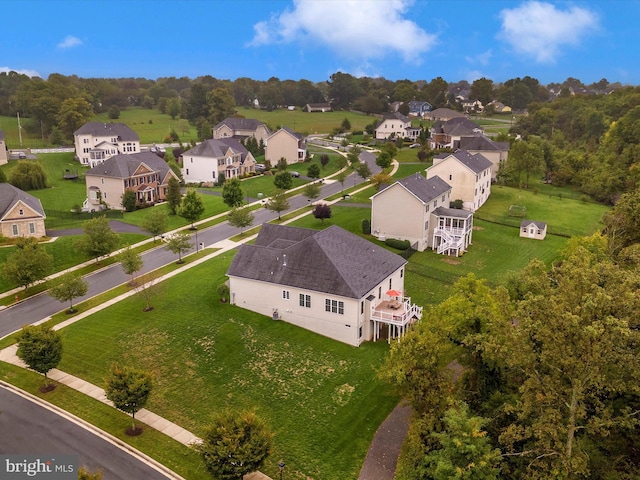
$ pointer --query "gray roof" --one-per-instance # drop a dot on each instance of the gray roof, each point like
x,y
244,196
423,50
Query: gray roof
x,y
394,116
124,166
475,162
100,129
459,126
297,135
426,189
10,195
445,113
218,148
481,142
331,261
239,123
540,225
452,212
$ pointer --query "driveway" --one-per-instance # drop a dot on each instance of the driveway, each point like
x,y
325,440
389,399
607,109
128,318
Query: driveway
x,y
116,225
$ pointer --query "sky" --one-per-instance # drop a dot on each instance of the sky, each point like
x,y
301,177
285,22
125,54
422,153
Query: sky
x,y
312,39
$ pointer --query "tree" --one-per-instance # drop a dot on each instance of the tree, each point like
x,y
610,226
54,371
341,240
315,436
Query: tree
x,y
482,89
341,177
147,288
173,107
363,171
324,160
278,202
174,195
527,157
383,160
622,223
129,390
40,348
313,171
28,176
380,179
191,208
84,474
345,125
221,105
73,113
114,112
240,217
28,264
322,211
232,193
131,262
98,239
155,222
282,164
236,444
67,287
129,200
179,243
311,191
283,180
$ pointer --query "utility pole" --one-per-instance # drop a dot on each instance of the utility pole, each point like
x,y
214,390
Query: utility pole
x,y
19,128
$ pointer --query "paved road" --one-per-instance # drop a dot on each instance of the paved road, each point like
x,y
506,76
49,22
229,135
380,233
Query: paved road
x,y
42,306
30,428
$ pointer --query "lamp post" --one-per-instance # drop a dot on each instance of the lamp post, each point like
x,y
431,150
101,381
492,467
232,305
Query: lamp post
x,y
281,467
196,239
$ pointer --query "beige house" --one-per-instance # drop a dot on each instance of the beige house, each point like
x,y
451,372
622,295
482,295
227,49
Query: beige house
x,y
442,114
214,159
318,107
532,229
396,125
241,128
495,152
145,173
285,143
3,149
417,209
469,176
331,282
96,142
21,214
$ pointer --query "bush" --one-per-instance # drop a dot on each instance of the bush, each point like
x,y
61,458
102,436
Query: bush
x,y
456,204
366,227
397,243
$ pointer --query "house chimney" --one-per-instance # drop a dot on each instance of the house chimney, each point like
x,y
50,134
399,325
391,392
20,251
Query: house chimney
x,y
284,260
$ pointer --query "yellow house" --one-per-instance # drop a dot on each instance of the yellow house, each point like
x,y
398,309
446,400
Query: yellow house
x,y
21,214
469,176
285,143
330,282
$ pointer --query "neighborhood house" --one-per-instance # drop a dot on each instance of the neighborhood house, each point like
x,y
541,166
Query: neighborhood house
x,y
331,282
96,142
531,229
287,144
396,125
215,160
21,214
241,128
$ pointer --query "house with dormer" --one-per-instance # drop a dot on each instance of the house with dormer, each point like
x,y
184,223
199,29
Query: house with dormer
x,y
495,152
144,173
396,125
287,144
417,209
329,281
448,134
96,142
21,214
468,174
241,129
216,159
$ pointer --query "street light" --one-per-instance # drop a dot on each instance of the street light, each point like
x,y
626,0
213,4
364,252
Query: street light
x,y
281,467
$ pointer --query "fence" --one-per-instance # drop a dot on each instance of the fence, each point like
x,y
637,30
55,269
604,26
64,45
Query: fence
x,y
515,222
57,219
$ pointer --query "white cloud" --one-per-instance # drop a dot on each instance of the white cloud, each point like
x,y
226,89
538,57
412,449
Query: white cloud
x,y
538,29
360,29
481,58
69,42
30,73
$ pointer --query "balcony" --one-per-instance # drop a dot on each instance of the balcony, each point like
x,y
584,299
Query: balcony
x,y
398,314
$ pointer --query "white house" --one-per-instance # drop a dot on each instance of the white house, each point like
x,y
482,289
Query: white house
x,y
329,281
417,209
469,176
95,142
396,125
216,158
532,229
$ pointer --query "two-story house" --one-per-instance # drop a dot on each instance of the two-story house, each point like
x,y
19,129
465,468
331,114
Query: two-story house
x,y
419,109
396,125
329,281
468,174
95,142
417,209
21,214
495,152
144,173
447,134
216,159
287,144
241,128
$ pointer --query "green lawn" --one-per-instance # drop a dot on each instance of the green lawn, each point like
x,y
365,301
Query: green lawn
x,y
321,397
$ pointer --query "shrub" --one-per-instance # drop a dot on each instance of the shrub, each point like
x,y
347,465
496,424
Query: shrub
x,y
366,227
456,204
397,243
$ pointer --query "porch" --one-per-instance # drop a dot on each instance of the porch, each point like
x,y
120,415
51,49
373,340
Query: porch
x,y
397,313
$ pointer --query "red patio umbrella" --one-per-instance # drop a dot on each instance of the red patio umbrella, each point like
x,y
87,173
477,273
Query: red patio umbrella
x,y
394,293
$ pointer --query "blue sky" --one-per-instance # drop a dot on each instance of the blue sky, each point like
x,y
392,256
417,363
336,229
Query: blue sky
x,y
293,39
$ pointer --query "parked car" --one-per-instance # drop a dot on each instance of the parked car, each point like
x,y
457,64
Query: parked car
x,y
295,174
261,167
22,155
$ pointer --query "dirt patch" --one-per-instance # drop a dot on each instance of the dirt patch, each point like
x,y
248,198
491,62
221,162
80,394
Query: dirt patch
x,y
451,261
477,228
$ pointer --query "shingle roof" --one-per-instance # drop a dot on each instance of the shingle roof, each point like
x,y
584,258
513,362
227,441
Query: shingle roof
x,y
124,166
297,135
426,189
217,148
395,116
481,142
239,123
10,195
476,163
459,126
100,129
332,261
452,212
540,225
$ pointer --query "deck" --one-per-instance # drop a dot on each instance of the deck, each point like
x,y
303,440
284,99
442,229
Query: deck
x,y
399,315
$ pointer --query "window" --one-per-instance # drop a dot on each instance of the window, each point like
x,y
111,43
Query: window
x,y
360,332
361,308
305,300
401,273
102,181
524,229
32,228
187,171
21,212
285,294
443,197
389,284
427,210
213,174
379,292
450,177
334,306
14,230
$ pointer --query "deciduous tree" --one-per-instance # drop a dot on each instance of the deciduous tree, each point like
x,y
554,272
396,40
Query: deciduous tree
x,y
232,193
311,191
155,222
174,195
322,211
278,202
241,218
313,171
28,264
179,243
283,180
128,389
98,239
40,348
191,208
28,176
68,287
131,262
